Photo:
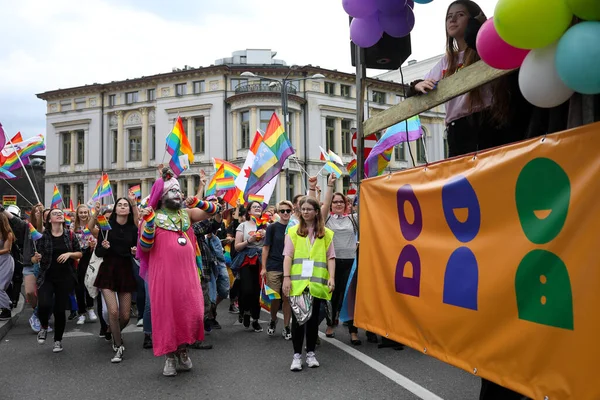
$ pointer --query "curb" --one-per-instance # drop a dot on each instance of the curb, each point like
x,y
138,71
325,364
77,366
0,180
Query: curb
x,y
5,326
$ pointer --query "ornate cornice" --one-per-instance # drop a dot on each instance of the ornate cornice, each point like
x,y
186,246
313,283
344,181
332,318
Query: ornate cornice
x,y
253,95
199,107
64,124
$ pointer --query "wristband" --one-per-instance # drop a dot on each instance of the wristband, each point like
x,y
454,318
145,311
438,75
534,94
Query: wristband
x,y
286,276
329,185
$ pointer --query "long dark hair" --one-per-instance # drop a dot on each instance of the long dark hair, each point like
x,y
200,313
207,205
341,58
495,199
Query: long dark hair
x,y
249,207
5,229
38,221
319,223
112,220
48,224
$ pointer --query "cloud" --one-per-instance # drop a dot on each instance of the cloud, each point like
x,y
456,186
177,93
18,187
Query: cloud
x,y
66,43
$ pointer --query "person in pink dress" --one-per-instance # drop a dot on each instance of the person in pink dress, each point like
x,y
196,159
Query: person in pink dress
x,y
170,264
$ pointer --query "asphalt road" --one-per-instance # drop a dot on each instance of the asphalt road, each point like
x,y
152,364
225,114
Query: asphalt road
x,y
242,365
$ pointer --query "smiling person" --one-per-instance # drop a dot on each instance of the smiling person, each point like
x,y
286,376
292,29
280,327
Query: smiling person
x,y
30,273
85,302
58,249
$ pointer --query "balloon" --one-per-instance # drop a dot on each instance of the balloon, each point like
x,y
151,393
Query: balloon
x,y
585,9
398,25
360,8
390,6
423,1
531,24
494,51
578,58
366,32
539,81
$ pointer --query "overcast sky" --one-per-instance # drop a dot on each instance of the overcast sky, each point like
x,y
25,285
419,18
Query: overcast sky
x,y
47,45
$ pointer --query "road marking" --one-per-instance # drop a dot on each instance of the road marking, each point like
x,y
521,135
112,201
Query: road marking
x,y
132,328
77,334
386,371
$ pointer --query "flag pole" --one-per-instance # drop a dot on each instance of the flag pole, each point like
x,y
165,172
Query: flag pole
x,y
19,193
26,173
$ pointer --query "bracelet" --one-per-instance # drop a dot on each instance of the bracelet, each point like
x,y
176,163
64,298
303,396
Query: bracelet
x,y
329,185
286,276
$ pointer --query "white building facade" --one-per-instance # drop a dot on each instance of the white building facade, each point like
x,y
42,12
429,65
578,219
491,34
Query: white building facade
x,y
121,127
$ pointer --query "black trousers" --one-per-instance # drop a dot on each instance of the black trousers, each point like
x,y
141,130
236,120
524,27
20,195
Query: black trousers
x,y
249,299
342,274
310,328
14,290
53,296
84,300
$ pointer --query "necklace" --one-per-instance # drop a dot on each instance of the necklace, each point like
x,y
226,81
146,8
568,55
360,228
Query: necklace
x,y
181,240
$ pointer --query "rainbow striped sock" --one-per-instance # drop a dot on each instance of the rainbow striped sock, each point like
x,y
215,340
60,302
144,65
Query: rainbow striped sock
x,y
147,238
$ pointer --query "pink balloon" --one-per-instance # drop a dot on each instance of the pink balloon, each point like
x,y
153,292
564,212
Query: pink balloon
x,y
360,8
494,51
390,6
366,32
398,25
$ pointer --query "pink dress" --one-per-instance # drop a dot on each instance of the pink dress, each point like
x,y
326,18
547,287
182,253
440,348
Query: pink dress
x,y
175,292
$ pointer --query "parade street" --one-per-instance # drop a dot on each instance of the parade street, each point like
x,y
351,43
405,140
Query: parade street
x,y
242,365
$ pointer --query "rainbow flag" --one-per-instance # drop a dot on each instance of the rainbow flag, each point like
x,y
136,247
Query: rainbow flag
x,y
272,294
265,300
103,188
68,219
32,147
103,223
229,169
56,198
6,174
270,157
227,253
225,183
352,169
85,231
179,148
211,188
35,235
137,190
256,197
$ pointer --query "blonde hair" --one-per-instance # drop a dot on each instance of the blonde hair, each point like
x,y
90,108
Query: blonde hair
x,y
285,203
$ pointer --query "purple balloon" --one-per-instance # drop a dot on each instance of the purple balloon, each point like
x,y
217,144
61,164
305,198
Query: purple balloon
x,y
398,25
366,32
360,8
390,6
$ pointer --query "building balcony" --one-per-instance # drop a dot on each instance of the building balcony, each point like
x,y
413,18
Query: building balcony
x,y
262,88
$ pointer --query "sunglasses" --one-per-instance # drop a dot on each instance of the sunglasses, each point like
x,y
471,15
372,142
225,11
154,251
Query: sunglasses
x,y
285,211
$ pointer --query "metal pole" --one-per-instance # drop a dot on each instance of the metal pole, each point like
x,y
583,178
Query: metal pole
x,y
360,113
285,125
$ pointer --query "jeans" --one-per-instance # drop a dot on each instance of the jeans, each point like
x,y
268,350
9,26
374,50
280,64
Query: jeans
x,y
147,312
310,328
53,296
219,283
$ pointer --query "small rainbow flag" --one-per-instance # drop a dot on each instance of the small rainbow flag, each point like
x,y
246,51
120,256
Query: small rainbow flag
x,y
68,219
102,189
137,190
352,169
227,253
179,148
265,300
35,235
229,169
6,174
273,295
256,197
103,223
56,198
226,183
86,231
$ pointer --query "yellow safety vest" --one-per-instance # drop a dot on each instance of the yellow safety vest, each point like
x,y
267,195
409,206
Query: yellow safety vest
x,y
317,252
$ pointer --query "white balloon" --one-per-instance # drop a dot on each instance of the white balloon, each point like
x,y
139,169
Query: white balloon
x,y
539,80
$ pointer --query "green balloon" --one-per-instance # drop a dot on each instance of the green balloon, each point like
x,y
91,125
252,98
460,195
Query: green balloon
x,y
532,24
585,9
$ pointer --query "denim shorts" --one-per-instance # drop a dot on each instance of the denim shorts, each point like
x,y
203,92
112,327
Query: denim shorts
x,y
32,270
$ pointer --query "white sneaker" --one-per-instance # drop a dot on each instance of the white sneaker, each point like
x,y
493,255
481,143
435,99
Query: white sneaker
x,y
311,360
41,337
81,319
184,361
140,322
57,347
35,323
91,315
118,357
170,368
296,363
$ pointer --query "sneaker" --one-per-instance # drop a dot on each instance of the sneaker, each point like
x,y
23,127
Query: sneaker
x,y
247,319
215,324
102,333
50,329
170,368
147,341
233,309
115,347
57,347
5,314
311,360
140,322
72,316
108,337
42,334
35,323
81,319
118,357
256,326
91,315
184,361
271,329
296,363
286,332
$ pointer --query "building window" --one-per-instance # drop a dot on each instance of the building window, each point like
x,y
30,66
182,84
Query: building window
x,y
238,82
345,183
66,148
80,147
421,152
295,85
245,130
265,117
290,127
66,195
135,144
400,152
378,97
197,184
329,88
151,94
80,103
66,105
112,100
199,135
199,87
131,97
290,191
181,89
80,194
115,141
345,90
330,134
113,188
346,137
152,134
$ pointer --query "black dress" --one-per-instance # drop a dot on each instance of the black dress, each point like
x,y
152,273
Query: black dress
x,y
116,272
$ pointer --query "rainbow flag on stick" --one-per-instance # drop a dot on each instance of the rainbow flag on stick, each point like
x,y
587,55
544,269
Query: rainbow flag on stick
x,y
229,169
352,169
137,190
211,188
272,294
68,219
179,148
103,188
56,198
225,183
265,300
256,197
86,231
35,235
103,223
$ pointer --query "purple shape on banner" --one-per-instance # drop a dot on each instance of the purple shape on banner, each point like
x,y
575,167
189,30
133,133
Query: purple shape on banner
x,y
409,286
458,194
409,231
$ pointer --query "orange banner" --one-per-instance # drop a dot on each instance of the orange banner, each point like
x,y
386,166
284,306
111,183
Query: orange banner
x,y
491,263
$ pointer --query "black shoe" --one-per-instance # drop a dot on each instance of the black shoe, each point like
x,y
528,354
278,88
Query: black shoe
x,y
207,325
256,326
147,341
215,324
372,338
5,314
246,320
73,315
201,346
240,318
108,337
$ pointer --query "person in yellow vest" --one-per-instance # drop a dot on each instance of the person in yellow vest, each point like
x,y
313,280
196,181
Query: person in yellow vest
x,y
308,277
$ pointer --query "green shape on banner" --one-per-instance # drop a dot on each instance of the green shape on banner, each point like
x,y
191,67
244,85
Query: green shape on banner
x,y
543,290
542,193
